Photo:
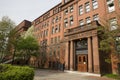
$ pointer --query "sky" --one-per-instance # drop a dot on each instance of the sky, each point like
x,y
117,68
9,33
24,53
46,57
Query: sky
x,y
18,10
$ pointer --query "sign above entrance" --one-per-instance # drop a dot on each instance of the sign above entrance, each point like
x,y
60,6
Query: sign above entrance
x,y
81,52
82,35
87,30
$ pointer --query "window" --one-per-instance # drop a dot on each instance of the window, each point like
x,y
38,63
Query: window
x,y
71,20
53,20
66,22
117,43
119,2
66,11
47,32
58,39
95,4
56,29
81,22
58,54
43,33
113,24
88,20
54,53
81,45
56,20
51,40
80,59
84,59
46,42
95,17
55,39
66,1
56,10
47,23
111,6
42,25
87,6
53,30
71,8
59,27
59,18
81,10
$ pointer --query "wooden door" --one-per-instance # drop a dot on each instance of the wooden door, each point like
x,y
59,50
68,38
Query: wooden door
x,y
82,63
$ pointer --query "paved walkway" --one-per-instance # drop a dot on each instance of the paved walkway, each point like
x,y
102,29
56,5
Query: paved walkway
x,y
58,75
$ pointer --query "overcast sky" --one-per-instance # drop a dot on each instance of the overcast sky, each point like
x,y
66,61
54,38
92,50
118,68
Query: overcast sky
x,y
18,10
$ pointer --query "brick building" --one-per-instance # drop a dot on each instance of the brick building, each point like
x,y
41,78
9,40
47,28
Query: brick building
x,y
69,31
22,27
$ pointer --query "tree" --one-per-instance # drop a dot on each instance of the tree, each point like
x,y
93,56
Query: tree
x,y
6,25
107,39
12,42
56,55
109,55
27,47
42,54
29,32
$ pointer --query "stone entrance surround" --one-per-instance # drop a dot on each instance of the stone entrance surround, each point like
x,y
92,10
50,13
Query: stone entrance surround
x,y
89,32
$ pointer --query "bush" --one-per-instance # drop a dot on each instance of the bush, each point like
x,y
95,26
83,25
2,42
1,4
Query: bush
x,y
9,72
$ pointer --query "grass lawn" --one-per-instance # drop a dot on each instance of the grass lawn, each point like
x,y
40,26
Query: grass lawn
x,y
113,76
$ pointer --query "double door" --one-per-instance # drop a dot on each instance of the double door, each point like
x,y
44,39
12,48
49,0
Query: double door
x,y
82,62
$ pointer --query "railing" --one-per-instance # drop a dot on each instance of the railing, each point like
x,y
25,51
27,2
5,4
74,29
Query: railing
x,y
86,27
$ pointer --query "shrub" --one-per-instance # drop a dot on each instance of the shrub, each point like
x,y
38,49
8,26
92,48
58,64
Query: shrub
x,y
9,72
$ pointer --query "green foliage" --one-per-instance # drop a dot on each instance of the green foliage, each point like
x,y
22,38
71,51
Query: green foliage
x,y
107,38
114,76
28,43
108,60
6,25
29,32
26,47
16,73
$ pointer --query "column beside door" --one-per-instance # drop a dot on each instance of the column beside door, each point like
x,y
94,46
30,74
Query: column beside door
x,y
96,54
71,55
90,55
66,55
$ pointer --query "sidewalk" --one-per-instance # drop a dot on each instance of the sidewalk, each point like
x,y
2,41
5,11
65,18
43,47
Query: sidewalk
x,y
66,75
83,73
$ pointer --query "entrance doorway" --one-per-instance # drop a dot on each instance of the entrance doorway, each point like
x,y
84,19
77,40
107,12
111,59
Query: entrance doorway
x,y
82,62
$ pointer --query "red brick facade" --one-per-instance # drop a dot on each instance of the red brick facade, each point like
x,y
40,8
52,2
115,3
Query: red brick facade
x,y
69,32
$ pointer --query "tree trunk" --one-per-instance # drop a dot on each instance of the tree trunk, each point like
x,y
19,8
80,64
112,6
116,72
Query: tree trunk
x,y
13,56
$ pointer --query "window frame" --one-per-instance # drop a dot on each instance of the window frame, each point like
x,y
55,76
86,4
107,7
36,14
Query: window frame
x,y
87,7
71,8
81,11
95,4
81,22
113,23
71,20
88,20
